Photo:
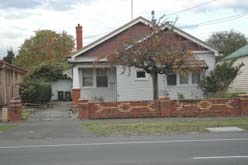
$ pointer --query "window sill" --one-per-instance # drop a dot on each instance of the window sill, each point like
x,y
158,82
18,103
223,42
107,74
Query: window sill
x,y
184,85
171,85
88,87
141,79
94,87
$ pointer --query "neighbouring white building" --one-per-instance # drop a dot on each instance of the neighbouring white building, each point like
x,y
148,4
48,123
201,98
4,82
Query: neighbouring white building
x,y
240,83
61,90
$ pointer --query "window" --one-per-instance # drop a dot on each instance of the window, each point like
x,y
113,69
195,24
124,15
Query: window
x,y
171,79
87,77
101,78
195,77
140,74
184,79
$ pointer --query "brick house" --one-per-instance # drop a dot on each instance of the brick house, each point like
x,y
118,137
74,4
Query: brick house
x,y
10,78
101,82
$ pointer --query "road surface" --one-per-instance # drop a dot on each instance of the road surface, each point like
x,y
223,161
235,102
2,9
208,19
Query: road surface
x,y
221,149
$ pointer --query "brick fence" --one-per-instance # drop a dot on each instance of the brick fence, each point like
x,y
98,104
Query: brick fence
x,y
164,107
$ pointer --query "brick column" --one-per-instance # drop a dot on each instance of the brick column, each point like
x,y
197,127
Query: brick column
x,y
165,106
83,106
5,115
15,107
243,104
75,96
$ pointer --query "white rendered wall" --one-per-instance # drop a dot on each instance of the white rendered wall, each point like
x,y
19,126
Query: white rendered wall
x,y
60,85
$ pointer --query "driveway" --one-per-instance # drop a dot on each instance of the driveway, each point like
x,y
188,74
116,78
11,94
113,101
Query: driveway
x,y
56,111
56,122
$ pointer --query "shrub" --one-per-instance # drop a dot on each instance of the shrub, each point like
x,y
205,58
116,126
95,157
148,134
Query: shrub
x,y
219,79
46,72
35,92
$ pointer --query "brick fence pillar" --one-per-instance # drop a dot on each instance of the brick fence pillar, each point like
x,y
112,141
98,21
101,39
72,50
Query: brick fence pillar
x,y
15,107
5,115
165,106
243,104
83,106
75,96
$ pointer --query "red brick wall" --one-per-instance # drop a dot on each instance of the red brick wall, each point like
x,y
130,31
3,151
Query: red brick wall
x,y
204,108
136,32
15,108
75,96
112,45
164,107
132,109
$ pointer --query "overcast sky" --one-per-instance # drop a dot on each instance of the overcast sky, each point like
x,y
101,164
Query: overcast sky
x,y
20,18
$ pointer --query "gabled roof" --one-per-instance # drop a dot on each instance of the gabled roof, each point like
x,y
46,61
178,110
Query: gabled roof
x,y
193,39
241,52
111,34
148,23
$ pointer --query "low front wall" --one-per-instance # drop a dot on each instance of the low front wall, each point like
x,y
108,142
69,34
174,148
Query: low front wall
x,y
164,107
206,108
132,109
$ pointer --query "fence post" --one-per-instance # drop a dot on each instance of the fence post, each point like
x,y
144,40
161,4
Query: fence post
x,y
83,106
75,96
165,106
243,104
5,114
15,107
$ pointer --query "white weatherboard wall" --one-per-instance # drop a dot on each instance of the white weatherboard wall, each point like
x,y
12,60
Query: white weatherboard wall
x,y
240,83
130,88
60,85
107,93
209,58
189,91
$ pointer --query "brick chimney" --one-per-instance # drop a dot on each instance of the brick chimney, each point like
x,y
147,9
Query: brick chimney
x,y
79,37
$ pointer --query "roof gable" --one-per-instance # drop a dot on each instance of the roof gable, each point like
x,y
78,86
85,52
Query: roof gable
x,y
111,35
194,39
132,23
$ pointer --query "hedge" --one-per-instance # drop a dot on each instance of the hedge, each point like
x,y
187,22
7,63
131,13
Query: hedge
x,y
35,92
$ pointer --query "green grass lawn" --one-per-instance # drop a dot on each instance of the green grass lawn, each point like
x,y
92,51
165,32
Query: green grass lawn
x,y
159,126
5,127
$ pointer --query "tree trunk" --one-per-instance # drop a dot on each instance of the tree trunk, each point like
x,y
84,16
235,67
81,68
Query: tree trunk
x,y
155,86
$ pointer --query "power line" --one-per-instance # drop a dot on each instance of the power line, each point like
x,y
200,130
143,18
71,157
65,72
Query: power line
x,y
94,35
180,11
193,7
211,22
216,21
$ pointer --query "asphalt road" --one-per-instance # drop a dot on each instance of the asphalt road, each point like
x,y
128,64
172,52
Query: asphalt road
x,y
221,149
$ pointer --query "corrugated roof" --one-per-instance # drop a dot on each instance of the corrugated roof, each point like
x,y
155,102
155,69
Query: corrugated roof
x,y
243,51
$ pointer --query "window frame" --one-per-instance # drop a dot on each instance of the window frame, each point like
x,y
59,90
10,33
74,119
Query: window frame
x,y
172,74
106,76
196,72
92,76
140,78
181,78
